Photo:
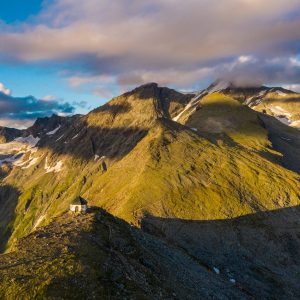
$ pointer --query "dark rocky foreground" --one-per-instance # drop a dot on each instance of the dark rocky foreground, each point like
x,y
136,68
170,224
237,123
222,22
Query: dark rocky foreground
x,y
97,256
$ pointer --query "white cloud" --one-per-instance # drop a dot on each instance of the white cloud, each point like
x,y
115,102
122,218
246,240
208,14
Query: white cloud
x,y
295,62
155,31
245,58
49,98
4,90
103,92
13,123
292,87
77,81
179,78
132,41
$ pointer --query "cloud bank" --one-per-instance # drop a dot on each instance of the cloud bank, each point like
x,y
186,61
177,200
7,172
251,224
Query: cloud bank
x,y
22,111
167,41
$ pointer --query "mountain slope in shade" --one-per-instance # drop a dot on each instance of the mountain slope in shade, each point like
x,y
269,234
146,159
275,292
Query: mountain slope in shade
x,y
258,251
9,134
162,160
98,256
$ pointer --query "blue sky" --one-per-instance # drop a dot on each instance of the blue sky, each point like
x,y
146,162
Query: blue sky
x,y
40,80
82,53
19,10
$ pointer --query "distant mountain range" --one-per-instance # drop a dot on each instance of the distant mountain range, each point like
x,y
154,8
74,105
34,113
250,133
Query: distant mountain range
x,y
206,184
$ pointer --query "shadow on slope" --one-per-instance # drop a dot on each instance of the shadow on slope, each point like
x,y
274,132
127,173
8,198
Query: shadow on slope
x,y
98,256
85,142
260,251
224,120
8,202
114,109
285,139
293,99
115,128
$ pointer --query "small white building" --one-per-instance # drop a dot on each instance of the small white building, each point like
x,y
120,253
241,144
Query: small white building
x,y
78,205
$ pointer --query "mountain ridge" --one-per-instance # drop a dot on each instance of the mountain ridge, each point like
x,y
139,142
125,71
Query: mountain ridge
x,y
97,255
220,160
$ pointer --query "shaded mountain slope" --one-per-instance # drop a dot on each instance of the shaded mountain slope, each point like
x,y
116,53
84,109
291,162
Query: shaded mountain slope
x,y
285,140
9,134
259,251
98,256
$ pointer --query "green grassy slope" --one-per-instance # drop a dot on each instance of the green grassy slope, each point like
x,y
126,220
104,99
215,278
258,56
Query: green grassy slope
x,y
174,172
227,168
212,173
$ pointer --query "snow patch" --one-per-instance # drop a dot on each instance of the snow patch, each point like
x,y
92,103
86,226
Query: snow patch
x,y
98,156
10,160
59,138
54,130
280,93
219,86
56,168
295,124
14,150
280,111
285,138
281,114
192,103
38,221
195,129
283,120
232,280
29,140
32,162
216,270
75,136
262,93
